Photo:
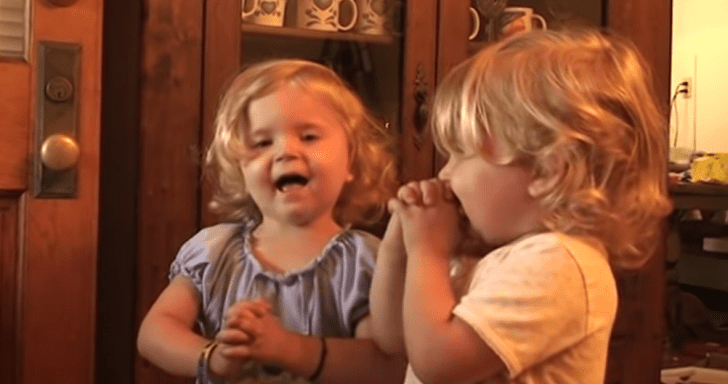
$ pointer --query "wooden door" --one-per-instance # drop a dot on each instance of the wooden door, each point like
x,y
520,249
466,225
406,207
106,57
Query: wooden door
x,y
48,245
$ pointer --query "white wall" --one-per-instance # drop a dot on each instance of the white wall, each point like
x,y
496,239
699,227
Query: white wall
x,y
700,53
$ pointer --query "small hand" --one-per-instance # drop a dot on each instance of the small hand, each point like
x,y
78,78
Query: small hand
x,y
425,192
255,333
227,358
429,217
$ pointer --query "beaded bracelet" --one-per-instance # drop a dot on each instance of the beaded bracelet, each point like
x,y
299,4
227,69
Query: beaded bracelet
x,y
320,366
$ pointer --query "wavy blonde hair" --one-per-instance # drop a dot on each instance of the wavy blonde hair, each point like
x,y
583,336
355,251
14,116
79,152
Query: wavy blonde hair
x,y
371,162
578,107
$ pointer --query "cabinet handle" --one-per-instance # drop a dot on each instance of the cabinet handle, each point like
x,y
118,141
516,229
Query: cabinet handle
x,y
422,112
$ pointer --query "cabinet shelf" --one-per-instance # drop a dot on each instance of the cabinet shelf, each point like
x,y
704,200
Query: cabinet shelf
x,y
316,34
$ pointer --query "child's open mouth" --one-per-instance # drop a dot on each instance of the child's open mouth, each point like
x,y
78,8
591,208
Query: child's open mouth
x,y
290,182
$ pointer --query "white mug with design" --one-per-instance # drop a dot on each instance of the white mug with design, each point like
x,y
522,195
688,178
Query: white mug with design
x,y
324,15
515,20
264,12
372,17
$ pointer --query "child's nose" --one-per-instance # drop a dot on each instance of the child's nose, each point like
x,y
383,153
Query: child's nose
x,y
444,173
288,148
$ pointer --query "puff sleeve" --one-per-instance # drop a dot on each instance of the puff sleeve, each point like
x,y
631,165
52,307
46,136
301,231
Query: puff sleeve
x,y
353,281
199,252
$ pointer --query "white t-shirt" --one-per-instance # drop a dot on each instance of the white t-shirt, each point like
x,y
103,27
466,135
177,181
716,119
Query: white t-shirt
x,y
546,305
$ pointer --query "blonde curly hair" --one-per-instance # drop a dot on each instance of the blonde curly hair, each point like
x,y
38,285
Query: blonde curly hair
x,y
578,107
362,201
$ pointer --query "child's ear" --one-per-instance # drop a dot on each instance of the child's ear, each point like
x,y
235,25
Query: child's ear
x,y
545,180
541,184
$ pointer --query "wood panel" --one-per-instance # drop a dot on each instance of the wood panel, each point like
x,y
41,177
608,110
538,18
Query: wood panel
x,y
9,281
648,23
420,58
452,43
635,351
170,119
15,126
452,35
221,63
116,304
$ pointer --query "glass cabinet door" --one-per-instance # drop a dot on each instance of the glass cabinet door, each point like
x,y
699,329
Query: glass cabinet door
x,y
392,52
360,39
501,18
385,49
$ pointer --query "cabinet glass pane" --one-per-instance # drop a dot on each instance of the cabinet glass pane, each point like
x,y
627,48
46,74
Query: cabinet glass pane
x,y
360,39
495,19
565,13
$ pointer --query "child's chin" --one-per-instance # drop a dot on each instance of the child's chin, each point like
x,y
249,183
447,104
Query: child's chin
x,y
301,217
473,244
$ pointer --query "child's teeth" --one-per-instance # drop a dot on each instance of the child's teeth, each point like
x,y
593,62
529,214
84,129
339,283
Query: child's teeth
x,y
291,186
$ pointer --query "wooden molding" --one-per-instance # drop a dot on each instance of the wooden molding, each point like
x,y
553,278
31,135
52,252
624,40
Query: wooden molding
x,y
169,153
9,292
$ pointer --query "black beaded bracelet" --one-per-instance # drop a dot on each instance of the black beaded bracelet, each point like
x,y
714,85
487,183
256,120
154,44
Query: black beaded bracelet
x,y
320,366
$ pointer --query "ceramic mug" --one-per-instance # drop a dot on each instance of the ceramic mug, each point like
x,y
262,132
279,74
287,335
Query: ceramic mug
x,y
373,17
515,20
264,12
474,24
324,15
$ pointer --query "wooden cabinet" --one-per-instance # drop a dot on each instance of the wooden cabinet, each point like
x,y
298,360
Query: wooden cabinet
x,y
184,52
191,50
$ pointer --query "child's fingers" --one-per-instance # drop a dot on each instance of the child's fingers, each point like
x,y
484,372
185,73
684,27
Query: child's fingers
x,y
256,308
394,205
447,193
261,303
410,193
259,308
431,191
241,351
233,336
244,320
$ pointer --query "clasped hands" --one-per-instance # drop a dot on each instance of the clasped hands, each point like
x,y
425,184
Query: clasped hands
x,y
250,331
426,221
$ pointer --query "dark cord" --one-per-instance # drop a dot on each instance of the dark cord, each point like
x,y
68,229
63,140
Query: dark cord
x,y
674,106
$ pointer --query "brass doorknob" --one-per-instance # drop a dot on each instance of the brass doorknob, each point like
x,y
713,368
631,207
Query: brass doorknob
x,y
59,152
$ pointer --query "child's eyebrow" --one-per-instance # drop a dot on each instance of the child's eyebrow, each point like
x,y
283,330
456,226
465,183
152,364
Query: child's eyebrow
x,y
260,131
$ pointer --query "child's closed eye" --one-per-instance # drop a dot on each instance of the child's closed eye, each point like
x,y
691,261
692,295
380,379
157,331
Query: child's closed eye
x,y
310,136
261,143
